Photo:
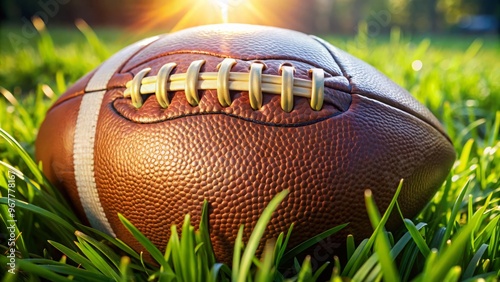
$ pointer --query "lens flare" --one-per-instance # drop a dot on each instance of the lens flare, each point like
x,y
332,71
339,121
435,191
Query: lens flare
x,y
224,8
179,14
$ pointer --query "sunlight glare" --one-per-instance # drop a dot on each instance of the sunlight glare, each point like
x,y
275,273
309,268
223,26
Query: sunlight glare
x,y
223,5
180,14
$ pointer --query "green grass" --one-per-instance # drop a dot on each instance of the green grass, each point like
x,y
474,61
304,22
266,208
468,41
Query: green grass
x,y
455,238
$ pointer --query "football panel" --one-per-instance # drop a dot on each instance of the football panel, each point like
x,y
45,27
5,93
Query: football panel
x,y
368,81
75,90
54,149
156,173
246,42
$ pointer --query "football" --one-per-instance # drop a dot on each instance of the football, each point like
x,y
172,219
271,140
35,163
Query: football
x,y
233,114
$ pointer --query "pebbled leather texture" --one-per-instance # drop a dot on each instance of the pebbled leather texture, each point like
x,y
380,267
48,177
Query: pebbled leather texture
x,y
369,82
155,165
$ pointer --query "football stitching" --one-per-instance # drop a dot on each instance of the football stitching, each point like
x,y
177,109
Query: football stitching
x,y
335,59
254,82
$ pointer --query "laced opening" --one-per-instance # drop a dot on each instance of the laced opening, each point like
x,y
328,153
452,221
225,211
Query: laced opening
x,y
223,81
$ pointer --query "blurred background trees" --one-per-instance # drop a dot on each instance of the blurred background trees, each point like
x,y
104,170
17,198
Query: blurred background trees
x,y
318,16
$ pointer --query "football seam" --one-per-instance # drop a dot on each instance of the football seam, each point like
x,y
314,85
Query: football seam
x,y
384,101
299,124
344,73
67,98
217,55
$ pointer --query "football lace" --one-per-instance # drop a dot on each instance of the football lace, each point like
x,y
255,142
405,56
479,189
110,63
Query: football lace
x,y
254,82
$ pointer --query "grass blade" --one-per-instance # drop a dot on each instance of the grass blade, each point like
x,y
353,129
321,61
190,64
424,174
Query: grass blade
x,y
238,246
448,258
370,266
258,231
282,246
205,235
43,212
453,274
114,241
417,237
186,253
454,212
305,273
265,272
74,256
107,251
469,271
145,242
382,245
358,258
77,273
19,150
98,261
311,242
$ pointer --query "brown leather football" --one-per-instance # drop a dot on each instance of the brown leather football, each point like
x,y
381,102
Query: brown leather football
x,y
234,114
